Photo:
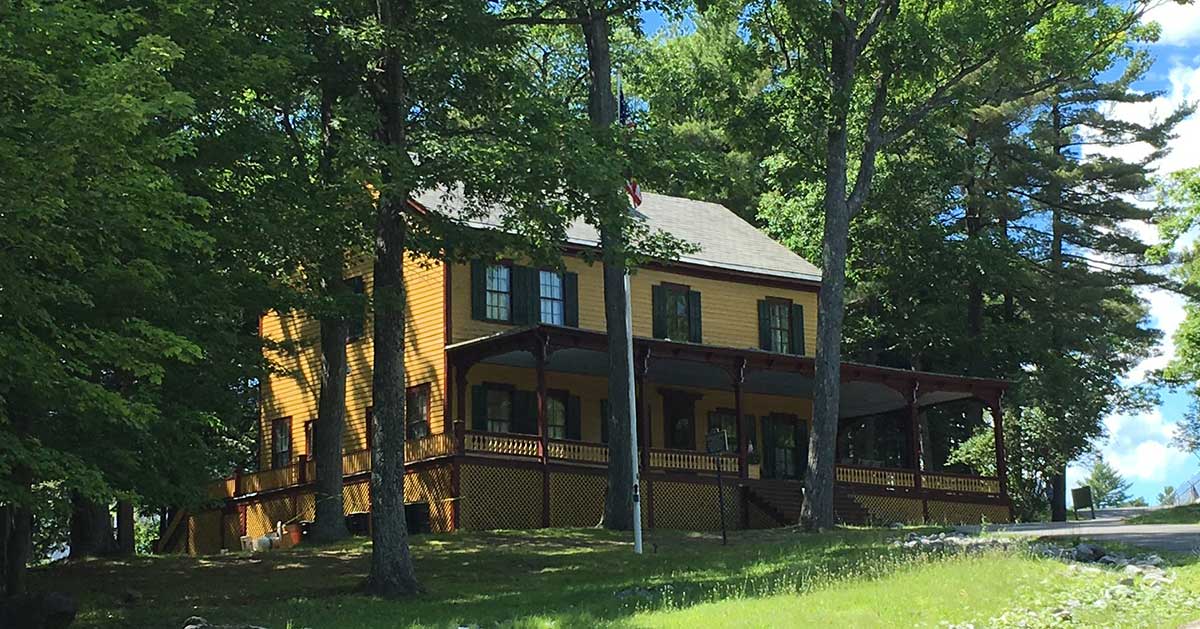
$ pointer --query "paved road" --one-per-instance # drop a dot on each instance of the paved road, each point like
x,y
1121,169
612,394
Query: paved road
x,y
1108,526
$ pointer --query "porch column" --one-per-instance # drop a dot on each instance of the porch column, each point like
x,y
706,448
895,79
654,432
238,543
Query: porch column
x,y
998,432
914,422
539,356
643,408
739,377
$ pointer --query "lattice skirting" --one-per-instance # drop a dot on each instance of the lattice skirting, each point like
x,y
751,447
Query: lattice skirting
x,y
204,532
432,486
759,519
495,497
693,506
576,500
889,509
967,512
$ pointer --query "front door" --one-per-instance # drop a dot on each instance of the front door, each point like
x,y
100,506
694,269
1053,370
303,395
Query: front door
x,y
679,415
785,446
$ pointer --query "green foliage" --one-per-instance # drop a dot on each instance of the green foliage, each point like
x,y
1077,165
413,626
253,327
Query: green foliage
x,y
1184,514
1166,497
1109,488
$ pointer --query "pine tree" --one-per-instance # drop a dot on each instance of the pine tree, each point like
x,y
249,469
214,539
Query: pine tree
x,y
1109,488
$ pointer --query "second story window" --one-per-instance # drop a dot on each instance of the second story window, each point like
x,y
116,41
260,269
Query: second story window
x,y
780,326
503,293
550,298
499,292
676,312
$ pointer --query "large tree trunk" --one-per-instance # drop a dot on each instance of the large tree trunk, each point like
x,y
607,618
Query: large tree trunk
x,y
817,510
18,547
1058,496
1058,482
602,111
126,544
330,522
91,528
392,573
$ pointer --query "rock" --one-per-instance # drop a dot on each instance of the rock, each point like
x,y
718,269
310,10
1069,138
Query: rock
x,y
896,525
43,610
1132,569
1127,581
1062,615
1150,560
197,622
1113,560
1118,591
1087,553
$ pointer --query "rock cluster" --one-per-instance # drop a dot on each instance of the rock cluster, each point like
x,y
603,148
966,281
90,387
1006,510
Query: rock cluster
x,y
196,622
954,542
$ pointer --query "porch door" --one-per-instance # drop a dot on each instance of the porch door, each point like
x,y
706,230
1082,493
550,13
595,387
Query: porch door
x,y
785,446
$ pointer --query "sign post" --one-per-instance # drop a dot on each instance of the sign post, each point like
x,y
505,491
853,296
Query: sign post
x,y
718,444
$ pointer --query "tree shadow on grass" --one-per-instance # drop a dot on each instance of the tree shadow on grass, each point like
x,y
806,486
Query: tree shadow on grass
x,y
572,576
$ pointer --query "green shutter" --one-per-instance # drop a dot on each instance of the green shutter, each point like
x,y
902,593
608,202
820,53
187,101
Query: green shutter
x,y
478,290
764,325
574,419
479,407
658,308
797,329
603,421
571,299
801,448
693,303
524,295
768,447
524,412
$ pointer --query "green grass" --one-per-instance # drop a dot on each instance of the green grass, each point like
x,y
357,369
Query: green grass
x,y
1186,514
588,578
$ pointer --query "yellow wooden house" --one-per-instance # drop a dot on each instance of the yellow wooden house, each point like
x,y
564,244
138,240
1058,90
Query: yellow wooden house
x,y
723,339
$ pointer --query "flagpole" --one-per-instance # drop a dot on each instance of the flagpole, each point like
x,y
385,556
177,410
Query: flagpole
x,y
630,386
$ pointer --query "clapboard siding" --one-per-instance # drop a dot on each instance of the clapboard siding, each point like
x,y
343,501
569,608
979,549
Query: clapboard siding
x,y
729,308
294,391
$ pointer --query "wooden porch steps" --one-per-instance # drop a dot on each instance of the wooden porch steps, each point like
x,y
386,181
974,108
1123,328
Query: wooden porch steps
x,y
782,499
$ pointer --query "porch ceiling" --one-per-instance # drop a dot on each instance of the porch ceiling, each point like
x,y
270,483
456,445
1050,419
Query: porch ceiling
x,y
858,398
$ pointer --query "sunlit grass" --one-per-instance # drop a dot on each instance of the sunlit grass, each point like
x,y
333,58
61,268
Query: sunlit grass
x,y
1186,514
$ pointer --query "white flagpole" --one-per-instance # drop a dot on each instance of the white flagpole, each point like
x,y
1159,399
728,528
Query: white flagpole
x,y
633,409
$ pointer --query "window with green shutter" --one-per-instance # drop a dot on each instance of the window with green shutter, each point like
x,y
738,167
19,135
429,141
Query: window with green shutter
x,y
780,326
556,414
676,313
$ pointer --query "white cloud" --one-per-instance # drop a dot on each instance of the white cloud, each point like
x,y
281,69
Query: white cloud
x,y
1138,447
1166,309
1180,23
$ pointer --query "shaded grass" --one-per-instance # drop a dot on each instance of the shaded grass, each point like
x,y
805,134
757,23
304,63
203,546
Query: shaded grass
x,y
588,578
1186,514
569,577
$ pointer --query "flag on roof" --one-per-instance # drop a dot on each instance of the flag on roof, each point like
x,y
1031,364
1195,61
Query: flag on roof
x,y
634,191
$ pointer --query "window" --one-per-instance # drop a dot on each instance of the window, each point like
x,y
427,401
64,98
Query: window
x,y
676,312
356,322
281,443
551,299
724,420
416,409
679,411
556,415
779,324
499,292
499,410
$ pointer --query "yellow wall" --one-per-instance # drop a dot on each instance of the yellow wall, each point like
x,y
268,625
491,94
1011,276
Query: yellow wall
x,y
295,390
592,389
729,310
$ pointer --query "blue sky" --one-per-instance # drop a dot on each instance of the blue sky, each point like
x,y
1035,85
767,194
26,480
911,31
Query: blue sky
x,y
1138,444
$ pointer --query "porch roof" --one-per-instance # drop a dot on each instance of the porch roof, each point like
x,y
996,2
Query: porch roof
x,y
866,389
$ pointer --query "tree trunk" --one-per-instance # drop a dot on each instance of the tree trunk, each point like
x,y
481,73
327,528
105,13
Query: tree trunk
x,y
602,112
91,528
126,544
1058,496
18,543
330,521
817,510
392,573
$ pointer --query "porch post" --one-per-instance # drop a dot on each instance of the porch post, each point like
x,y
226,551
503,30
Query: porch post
x,y
914,422
539,356
643,407
998,432
739,377
460,443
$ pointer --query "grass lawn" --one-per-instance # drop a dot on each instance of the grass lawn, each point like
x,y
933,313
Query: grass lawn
x,y
587,578
1186,514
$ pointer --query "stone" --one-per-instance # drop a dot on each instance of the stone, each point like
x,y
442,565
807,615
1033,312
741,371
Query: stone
x,y
1132,569
42,610
1087,553
197,622
1127,581
1062,615
1118,591
896,525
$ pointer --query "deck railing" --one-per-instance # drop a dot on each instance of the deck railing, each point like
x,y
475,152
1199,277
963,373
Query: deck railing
x,y
880,477
692,461
502,443
581,451
960,483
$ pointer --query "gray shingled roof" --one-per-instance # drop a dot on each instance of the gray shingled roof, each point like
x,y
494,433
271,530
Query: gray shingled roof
x,y
723,238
